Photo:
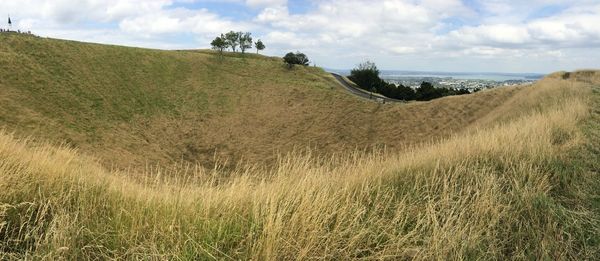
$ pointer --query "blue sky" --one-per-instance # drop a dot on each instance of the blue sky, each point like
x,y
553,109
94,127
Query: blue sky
x,y
442,35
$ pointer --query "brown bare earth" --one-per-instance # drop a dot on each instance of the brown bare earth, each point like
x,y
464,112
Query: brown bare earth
x,y
131,107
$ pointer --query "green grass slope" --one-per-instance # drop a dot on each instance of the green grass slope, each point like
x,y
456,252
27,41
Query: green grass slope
x,y
132,107
91,94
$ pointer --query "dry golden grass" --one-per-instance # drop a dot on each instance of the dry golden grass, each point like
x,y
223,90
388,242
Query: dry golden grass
x,y
505,190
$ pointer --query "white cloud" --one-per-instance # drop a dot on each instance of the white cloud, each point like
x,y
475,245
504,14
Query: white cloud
x,y
273,14
179,21
403,50
498,34
262,3
140,23
562,31
71,11
402,34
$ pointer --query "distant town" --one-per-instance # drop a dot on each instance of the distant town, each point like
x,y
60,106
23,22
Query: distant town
x,y
454,80
454,83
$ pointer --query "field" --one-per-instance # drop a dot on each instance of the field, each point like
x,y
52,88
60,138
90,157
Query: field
x,y
505,174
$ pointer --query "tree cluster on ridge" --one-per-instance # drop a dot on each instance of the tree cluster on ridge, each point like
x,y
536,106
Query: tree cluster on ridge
x,y
236,40
366,76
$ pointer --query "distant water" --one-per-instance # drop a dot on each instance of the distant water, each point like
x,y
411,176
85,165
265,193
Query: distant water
x,y
491,76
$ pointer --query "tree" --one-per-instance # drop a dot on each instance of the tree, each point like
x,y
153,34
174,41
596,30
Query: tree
x,y
295,58
427,92
232,38
259,45
290,59
461,91
404,93
302,59
366,76
219,43
245,41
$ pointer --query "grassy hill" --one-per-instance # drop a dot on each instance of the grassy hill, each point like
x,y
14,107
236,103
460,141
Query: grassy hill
x,y
132,107
504,174
524,188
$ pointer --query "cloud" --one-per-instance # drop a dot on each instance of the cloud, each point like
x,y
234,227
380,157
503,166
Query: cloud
x,y
179,21
395,33
568,30
263,3
403,50
141,23
273,14
492,35
358,30
70,11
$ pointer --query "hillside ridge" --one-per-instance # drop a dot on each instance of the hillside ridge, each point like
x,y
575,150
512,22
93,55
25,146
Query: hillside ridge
x,y
134,107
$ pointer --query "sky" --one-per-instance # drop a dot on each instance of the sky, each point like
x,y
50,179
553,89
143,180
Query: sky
x,y
533,36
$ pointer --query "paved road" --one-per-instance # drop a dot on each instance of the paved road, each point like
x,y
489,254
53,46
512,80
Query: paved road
x,y
362,93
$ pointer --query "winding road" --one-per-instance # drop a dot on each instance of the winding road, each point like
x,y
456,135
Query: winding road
x,y
352,88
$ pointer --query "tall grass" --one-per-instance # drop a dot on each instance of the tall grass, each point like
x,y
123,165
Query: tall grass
x,y
506,190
